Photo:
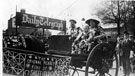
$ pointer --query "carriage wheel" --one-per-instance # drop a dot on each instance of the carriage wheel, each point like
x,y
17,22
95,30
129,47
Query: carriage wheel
x,y
103,60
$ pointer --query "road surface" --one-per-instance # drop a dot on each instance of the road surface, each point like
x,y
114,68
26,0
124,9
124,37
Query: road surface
x,y
120,73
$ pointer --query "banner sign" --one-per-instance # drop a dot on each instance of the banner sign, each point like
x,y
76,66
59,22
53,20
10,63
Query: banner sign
x,y
29,20
40,63
21,63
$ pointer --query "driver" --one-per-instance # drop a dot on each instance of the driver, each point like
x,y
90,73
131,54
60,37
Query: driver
x,y
92,34
72,29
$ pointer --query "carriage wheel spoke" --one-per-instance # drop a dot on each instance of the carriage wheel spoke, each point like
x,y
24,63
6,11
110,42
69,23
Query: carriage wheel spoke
x,y
77,73
108,74
97,74
73,73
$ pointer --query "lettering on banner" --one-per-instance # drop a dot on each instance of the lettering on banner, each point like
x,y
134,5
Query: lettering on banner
x,y
39,21
32,64
39,63
47,65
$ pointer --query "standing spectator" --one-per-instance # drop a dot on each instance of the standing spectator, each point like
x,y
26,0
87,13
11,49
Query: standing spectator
x,y
118,50
131,38
126,47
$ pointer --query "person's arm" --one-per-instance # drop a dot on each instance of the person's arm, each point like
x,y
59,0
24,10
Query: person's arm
x,y
91,36
133,47
102,33
68,32
101,30
78,37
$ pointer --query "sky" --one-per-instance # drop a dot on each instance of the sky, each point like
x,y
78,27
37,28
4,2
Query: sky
x,y
59,9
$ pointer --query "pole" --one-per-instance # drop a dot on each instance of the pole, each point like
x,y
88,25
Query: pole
x,y
134,14
118,23
16,21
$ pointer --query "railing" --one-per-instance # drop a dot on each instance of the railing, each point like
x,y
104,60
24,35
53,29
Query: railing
x,y
24,63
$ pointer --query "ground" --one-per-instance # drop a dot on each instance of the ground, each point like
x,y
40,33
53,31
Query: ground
x,y
119,74
82,74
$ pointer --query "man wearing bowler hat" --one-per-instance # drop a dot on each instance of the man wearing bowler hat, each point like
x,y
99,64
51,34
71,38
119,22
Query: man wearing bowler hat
x,y
73,31
72,28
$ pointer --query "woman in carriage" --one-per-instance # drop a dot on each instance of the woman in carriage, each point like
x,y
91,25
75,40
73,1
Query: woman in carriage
x,y
92,35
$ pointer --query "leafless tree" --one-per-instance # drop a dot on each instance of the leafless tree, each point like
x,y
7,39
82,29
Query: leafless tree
x,y
117,11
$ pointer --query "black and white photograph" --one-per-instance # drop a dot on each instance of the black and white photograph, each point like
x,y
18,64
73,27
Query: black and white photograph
x,y
67,37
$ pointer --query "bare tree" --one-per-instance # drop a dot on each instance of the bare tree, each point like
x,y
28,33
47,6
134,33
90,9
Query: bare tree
x,y
116,11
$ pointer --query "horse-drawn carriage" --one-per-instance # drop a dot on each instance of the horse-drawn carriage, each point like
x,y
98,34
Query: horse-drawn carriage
x,y
101,59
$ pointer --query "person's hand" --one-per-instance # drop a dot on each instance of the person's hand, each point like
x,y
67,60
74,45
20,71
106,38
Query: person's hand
x,y
88,41
117,51
121,52
70,38
75,41
133,54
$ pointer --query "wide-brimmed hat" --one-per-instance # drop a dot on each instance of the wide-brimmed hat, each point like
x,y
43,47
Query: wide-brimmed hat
x,y
88,21
72,20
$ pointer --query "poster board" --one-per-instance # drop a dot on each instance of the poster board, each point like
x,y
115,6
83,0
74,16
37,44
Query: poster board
x,y
23,63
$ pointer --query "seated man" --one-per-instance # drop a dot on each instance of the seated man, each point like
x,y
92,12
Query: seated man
x,y
92,34
73,31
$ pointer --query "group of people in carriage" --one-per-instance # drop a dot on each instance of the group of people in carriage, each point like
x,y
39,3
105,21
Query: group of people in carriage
x,y
85,39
